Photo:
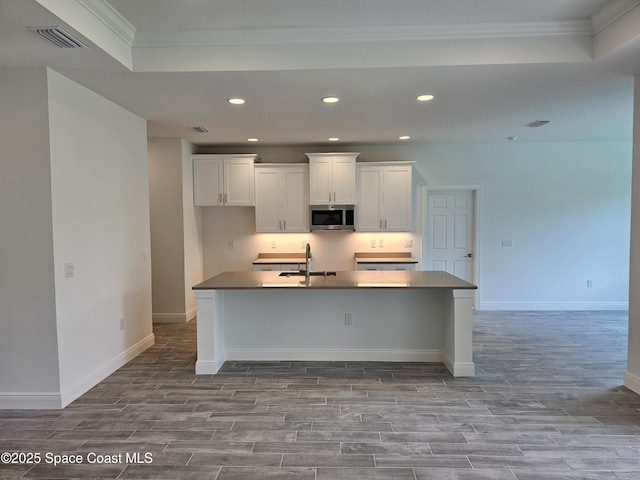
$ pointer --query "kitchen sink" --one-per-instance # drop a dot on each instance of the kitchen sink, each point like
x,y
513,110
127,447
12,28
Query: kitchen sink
x,y
311,274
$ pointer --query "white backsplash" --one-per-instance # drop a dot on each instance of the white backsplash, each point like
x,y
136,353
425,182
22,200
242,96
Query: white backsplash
x,y
224,227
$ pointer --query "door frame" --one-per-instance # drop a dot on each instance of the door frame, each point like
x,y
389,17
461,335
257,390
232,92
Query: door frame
x,y
476,192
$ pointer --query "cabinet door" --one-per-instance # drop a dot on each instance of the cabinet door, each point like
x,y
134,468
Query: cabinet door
x,y
295,199
344,180
396,198
268,193
207,182
239,182
398,266
369,199
321,188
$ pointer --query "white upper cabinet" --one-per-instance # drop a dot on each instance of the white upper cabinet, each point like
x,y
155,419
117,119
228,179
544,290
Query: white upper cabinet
x,y
332,178
282,198
384,197
223,180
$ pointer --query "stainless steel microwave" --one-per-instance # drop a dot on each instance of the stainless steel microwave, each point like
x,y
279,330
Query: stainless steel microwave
x,y
331,217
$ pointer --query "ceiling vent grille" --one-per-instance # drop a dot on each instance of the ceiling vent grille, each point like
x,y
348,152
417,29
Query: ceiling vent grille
x,y
201,129
58,37
537,124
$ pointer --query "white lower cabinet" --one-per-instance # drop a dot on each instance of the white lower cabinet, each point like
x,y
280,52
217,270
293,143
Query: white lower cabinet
x,y
384,197
282,198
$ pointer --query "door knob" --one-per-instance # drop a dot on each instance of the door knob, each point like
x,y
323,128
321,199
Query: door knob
x,y
469,255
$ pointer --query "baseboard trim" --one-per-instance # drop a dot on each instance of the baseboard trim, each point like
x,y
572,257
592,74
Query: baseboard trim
x,y
58,400
329,354
175,317
208,367
548,306
30,401
632,382
87,383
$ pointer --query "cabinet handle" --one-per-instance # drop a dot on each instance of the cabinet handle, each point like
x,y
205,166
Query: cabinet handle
x,y
385,223
329,197
285,225
279,224
225,198
219,198
334,196
380,224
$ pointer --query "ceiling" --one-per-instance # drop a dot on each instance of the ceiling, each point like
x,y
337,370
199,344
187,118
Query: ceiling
x,y
493,66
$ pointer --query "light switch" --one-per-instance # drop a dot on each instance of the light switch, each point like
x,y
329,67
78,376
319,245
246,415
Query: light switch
x,y
69,270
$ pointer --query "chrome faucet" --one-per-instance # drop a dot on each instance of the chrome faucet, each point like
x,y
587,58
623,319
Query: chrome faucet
x,y
307,272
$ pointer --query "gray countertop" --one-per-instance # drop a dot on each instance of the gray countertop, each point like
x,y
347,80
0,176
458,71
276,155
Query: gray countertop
x,y
342,280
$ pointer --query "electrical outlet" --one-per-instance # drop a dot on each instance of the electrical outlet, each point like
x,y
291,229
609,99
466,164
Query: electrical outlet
x,y
348,319
373,243
145,254
232,244
381,242
408,243
589,283
506,242
273,244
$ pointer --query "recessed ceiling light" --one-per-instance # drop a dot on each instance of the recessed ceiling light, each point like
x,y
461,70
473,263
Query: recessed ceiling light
x,y
404,137
236,101
330,99
424,97
252,139
334,139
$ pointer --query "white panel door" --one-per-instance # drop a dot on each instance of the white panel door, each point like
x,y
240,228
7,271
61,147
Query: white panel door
x,y
450,240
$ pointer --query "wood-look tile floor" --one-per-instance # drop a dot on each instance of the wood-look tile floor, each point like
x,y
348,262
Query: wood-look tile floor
x,y
546,404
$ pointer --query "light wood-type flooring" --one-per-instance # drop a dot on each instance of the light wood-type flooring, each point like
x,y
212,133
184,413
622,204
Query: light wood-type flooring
x,y
546,404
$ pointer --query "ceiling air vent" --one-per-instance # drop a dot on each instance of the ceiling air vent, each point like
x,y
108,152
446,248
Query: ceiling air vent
x,y
537,123
58,37
201,129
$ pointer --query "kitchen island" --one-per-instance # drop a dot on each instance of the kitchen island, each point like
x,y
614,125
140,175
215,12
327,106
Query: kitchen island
x,y
406,316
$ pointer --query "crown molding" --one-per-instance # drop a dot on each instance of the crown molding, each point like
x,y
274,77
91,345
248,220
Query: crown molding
x,y
111,18
611,12
323,35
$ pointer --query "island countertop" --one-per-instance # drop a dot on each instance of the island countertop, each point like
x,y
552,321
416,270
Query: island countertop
x,y
341,280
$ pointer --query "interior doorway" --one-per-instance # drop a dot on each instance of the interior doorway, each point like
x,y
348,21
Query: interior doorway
x,y
450,237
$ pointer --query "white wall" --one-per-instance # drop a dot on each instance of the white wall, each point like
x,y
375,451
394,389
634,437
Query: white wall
x,y
632,376
192,222
167,236
73,189
565,206
28,344
100,224
176,231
